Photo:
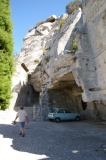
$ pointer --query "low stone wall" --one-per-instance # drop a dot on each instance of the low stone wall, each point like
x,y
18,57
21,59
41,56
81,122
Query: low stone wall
x,y
29,111
34,113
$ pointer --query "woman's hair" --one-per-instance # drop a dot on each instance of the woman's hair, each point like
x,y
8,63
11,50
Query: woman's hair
x,y
22,107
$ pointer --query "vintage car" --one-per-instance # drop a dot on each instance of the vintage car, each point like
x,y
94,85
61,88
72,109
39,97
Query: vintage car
x,y
60,114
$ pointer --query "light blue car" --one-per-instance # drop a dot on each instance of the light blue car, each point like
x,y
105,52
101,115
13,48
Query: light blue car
x,y
59,114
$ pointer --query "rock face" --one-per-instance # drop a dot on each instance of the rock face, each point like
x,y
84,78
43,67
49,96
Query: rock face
x,y
62,63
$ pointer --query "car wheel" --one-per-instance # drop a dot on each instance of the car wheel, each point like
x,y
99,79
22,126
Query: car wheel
x,y
77,118
57,120
51,120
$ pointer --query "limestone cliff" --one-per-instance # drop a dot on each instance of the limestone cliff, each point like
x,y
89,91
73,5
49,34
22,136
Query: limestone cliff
x,y
63,59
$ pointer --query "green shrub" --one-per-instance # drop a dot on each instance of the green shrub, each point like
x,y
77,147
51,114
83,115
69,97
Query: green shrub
x,y
104,17
45,48
74,44
6,57
36,61
47,58
62,22
72,6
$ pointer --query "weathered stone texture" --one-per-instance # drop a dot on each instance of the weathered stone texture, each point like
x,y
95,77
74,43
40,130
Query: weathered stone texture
x,y
96,30
67,55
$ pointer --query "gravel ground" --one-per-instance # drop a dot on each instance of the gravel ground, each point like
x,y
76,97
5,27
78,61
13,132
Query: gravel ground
x,y
84,140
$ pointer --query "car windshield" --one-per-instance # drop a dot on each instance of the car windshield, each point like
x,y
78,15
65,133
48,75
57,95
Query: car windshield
x,y
52,110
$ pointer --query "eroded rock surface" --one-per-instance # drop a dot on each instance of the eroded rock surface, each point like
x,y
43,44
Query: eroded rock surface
x,y
67,53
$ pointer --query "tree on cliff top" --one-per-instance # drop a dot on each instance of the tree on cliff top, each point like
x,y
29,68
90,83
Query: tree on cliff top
x,y
74,5
6,57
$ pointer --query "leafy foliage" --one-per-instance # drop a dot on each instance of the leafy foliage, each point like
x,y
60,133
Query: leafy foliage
x,y
74,46
62,22
44,48
6,57
72,6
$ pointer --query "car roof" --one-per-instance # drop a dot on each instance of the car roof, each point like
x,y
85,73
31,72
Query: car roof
x,y
60,108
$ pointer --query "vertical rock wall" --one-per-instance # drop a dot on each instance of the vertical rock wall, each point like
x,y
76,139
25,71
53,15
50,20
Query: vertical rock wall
x,y
94,17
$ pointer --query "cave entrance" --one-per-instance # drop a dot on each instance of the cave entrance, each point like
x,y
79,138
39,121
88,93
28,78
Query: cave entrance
x,y
27,96
66,93
84,105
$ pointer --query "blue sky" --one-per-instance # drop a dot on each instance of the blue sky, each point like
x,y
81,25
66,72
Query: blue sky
x,y
26,13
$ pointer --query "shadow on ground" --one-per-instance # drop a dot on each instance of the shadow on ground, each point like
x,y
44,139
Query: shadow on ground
x,y
55,141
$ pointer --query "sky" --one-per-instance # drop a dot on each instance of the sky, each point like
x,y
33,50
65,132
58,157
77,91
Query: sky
x,y
26,13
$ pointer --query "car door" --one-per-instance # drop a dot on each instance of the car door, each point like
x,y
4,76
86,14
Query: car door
x,y
61,114
68,115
